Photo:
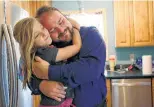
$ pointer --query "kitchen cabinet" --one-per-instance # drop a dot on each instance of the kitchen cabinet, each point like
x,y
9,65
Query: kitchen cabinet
x,y
2,15
34,5
153,91
108,97
121,19
36,100
31,6
134,23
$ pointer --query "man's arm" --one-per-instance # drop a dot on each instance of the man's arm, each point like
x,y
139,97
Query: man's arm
x,y
90,65
55,91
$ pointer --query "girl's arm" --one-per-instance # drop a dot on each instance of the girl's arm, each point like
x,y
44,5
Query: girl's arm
x,y
69,51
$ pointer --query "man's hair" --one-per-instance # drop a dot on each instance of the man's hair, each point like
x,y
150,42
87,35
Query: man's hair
x,y
45,9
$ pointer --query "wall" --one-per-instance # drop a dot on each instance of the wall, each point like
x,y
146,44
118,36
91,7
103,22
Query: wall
x,y
122,53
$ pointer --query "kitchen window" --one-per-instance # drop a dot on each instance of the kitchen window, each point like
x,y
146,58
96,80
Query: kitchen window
x,y
95,18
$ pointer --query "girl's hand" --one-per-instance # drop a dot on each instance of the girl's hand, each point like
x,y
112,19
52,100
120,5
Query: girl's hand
x,y
74,23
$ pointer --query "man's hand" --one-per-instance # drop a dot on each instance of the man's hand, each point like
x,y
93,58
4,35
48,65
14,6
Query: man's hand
x,y
52,89
40,68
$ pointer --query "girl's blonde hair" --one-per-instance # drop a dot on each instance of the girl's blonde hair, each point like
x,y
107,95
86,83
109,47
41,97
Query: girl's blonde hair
x,y
23,33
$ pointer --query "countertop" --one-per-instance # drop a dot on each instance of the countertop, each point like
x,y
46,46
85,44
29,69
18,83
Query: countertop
x,y
127,75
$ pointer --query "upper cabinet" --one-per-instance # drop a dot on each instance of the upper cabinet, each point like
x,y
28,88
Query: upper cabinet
x,y
134,23
122,23
34,5
31,6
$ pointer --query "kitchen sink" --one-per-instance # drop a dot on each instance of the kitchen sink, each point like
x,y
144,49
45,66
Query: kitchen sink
x,y
121,71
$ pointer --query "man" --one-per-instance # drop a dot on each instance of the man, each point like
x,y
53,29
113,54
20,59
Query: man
x,y
85,74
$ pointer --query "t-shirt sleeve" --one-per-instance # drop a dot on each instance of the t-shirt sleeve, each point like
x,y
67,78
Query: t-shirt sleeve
x,y
34,85
49,54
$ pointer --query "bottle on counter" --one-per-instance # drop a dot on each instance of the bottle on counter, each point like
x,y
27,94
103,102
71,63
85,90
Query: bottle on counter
x,y
112,62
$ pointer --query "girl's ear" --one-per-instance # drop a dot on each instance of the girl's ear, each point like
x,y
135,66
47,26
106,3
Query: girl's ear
x,y
74,23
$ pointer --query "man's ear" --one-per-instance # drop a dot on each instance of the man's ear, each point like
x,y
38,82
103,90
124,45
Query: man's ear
x,y
74,23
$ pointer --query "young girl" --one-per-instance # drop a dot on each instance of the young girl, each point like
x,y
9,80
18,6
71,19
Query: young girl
x,y
33,40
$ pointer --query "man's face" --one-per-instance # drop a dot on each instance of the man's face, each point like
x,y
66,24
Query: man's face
x,y
59,27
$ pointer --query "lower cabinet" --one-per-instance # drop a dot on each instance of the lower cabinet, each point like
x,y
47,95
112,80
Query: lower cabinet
x,y
109,98
153,91
36,100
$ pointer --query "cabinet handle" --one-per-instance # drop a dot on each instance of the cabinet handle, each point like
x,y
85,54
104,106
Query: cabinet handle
x,y
132,84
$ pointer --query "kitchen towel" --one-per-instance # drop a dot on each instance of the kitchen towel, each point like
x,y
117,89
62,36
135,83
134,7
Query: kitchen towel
x,y
147,64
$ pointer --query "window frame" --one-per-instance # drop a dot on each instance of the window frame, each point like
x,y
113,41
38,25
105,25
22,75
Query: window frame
x,y
90,11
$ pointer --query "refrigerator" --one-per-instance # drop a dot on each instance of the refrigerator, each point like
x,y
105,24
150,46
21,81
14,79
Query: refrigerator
x,y
11,92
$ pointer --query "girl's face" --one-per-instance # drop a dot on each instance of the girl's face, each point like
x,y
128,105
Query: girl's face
x,y
41,35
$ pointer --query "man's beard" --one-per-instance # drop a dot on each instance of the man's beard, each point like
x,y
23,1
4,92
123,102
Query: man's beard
x,y
70,34
62,44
